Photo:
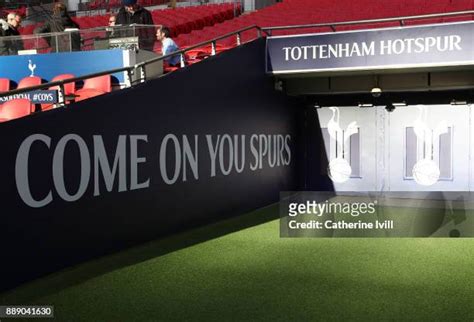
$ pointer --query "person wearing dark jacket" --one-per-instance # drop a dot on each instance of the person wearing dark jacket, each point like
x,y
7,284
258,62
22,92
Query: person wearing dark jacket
x,y
58,23
131,13
10,28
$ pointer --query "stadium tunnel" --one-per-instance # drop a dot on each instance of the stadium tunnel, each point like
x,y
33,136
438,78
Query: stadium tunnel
x,y
380,103
388,118
387,112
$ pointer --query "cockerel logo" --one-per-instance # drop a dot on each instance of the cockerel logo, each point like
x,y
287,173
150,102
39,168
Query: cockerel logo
x,y
31,67
426,170
339,170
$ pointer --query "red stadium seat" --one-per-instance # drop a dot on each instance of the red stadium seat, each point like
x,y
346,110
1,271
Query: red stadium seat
x,y
69,90
168,69
86,93
94,87
29,81
4,85
15,108
101,83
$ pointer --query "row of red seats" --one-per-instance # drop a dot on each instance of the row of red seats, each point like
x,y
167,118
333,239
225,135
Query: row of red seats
x,y
185,19
179,20
16,108
296,12
101,83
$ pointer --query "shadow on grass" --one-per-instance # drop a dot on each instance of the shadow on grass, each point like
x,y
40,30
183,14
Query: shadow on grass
x,y
80,273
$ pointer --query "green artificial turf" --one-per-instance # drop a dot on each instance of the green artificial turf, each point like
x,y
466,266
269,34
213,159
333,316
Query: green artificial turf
x,y
229,272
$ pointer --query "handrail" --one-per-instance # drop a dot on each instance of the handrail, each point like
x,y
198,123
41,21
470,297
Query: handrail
x,y
42,35
64,81
212,41
379,20
118,28
129,69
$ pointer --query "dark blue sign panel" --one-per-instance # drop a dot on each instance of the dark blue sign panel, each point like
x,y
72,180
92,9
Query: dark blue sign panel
x,y
407,47
48,66
36,97
121,169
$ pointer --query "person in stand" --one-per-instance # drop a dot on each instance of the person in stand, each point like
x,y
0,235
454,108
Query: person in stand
x,y
112,20
168,46
59,22
10,28
111,33
133,14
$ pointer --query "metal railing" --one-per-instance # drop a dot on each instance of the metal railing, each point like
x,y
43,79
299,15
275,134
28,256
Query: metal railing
x,y
400,20
137,69
80,39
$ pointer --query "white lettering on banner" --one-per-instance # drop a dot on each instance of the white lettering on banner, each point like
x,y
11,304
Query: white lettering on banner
x,y
103,167
295,53
288,150
101,164
39,96
262,149
226,138
21,171
254,166
134,161
213,152
58,167
242,153
182,157
190,157
262,139
177,159
227,143
4,99
385,47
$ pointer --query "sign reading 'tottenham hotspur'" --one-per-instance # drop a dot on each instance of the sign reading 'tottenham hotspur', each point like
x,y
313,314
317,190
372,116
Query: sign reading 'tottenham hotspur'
x,y
405,47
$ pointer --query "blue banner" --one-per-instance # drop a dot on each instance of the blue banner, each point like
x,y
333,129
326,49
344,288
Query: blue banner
x,y
48,66
405,47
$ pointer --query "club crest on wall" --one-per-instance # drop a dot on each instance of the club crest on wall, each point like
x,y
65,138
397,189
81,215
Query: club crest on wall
x,y
426,171
339,169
